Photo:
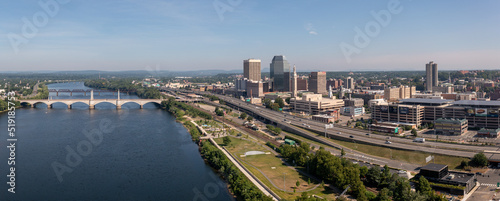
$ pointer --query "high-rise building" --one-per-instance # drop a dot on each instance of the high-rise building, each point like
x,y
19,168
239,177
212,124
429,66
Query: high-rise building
x,y
255,89
317,82
280,73
431,71
401,92
251,69
302,84
349,83
294,82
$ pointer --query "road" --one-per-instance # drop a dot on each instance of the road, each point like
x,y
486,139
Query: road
x,y
359,136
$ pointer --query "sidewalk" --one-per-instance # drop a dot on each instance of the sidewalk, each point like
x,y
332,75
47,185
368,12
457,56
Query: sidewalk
x,y
246,173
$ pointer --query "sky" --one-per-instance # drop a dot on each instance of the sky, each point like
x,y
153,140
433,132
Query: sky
x,y
178,35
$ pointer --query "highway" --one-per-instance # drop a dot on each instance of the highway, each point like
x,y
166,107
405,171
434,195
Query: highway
x,y
358,136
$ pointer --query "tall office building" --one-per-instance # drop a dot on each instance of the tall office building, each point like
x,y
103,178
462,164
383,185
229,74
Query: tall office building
x,y
431,70
251,69
294,82
349,83
317,82
280,73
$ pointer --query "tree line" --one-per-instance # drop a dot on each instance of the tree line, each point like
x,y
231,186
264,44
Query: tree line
x,y
125,85
341,173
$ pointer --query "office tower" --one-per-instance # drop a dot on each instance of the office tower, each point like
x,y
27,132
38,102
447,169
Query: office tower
x,y
251,69
280,73
431,71
349,83
330,94
317,82
294,82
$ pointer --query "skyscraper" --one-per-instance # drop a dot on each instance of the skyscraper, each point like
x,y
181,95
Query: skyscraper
x,y
349,83
280,73
317,82
294,82
251,69
431,71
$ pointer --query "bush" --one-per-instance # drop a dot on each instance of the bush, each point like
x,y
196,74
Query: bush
x,y
479,160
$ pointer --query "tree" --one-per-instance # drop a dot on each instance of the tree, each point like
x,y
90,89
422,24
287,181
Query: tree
x,y
297,183
363,170
423,186
373,176
479,160
287,100
280,102
414,132
226,140
249,118
383,195
342,152
243,115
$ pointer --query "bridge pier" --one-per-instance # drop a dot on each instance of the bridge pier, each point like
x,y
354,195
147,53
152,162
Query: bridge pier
x,y
118,107
33,105
91,107
70,93
142,106
57,93
69,107
49,106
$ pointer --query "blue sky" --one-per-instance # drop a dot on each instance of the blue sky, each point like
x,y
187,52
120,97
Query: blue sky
x,y
191,35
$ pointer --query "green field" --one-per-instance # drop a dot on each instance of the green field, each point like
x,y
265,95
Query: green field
x,y
269,168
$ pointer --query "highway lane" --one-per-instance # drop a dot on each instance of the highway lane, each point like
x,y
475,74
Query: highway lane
x,y
360,136
398,143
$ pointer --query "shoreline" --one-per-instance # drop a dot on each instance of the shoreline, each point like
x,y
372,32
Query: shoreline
x,y
203,147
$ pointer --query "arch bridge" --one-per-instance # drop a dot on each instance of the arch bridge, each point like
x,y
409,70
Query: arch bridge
x,y
92,102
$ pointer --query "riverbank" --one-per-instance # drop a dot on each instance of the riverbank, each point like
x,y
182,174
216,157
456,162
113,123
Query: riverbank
x,y
238,183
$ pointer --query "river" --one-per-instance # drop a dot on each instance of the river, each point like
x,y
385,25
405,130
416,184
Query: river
x,y
104,154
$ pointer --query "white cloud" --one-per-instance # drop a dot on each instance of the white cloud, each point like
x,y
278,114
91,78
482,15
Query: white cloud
x,y
310,28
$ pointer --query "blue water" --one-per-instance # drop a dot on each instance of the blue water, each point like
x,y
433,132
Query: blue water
x,y
130,154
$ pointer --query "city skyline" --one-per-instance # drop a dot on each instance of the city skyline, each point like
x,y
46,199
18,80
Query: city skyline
x,y
135,35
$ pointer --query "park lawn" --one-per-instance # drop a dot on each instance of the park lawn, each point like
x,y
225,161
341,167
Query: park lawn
x,y
265,162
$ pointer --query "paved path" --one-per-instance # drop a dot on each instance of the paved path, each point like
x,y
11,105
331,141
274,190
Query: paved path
x,y
246,173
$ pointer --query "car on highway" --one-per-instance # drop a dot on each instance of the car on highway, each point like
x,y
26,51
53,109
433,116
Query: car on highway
x,y
351,136
402,172
339,133
388,142
368,134
308,126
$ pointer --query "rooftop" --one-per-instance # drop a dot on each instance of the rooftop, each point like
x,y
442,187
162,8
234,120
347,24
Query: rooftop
x,y
433,167
451,120
489,130
477,103
426,101
459,177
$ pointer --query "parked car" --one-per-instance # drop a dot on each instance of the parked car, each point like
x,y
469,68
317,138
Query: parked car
x,y
388,142
351,136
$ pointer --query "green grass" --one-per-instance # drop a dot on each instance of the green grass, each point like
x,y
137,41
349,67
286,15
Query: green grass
x,y
414,157
264,163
